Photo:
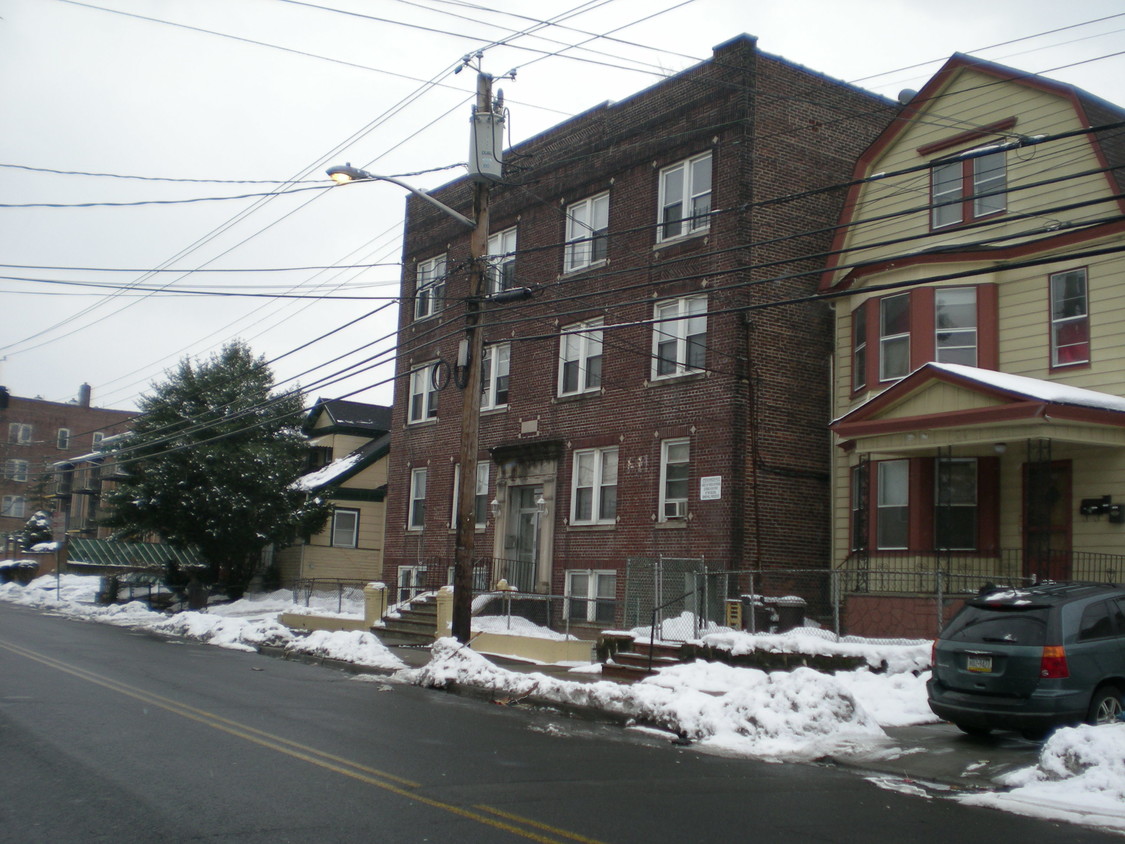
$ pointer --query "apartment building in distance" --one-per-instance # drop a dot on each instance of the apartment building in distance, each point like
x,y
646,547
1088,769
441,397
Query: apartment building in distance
x,y
655,399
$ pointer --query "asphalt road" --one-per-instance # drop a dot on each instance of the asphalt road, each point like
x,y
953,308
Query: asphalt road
x,y
111,735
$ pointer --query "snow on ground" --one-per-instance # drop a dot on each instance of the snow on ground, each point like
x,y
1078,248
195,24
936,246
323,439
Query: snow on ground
x,y
779,716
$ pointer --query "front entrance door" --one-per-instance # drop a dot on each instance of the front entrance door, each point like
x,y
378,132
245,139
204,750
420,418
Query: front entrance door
x,y
522,541
1046,493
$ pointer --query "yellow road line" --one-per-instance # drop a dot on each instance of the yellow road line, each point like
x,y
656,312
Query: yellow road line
x,y
354,770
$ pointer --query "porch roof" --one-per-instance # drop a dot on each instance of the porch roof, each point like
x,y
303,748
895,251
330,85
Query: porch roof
x,y
943,404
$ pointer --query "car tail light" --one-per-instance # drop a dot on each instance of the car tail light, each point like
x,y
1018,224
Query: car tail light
x,y
1052,665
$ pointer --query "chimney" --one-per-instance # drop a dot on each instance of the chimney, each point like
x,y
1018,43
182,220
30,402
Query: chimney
x,y
84,395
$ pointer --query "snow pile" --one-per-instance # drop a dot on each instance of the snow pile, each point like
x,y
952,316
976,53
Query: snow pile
x,y
783,716
1080,778
517,626
244,625
892,657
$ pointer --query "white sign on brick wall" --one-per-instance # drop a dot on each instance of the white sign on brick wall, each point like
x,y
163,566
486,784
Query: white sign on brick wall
x,y
711,488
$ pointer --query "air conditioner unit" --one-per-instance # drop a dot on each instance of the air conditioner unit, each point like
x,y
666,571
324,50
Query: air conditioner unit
x,y
675,509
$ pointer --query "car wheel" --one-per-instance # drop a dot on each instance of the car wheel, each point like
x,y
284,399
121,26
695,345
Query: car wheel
x,y
970,730
1105,706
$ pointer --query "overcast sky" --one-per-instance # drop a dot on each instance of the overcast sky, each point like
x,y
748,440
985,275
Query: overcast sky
x,y
276,90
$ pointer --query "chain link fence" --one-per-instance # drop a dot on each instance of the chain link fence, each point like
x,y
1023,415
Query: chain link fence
x,y
330,595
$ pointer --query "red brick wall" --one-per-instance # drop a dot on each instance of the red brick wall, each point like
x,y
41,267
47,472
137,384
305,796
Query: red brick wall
x,y
758,416
894,617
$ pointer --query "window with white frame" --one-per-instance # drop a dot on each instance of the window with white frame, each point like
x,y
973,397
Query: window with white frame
x,y
955,325
423,394
19,432
63,439
1070,319
966,189
502,261
591,596
894,337
429,287
674,468
679,336
345,528
495,366
480,500
580,358
16,470
892,508
685,198
97,438
411,582
593,499
587,232
14,506
416,517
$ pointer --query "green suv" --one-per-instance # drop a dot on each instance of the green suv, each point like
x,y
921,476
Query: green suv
x,y
1031,659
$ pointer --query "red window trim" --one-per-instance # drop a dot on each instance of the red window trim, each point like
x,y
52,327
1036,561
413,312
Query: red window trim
x,y
968,196
968,137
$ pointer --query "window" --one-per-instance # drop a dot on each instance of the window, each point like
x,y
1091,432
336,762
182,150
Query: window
x,y
14,506
580,358
1070,324
685,198
20,433
678,337
411,582
429,287
480,504
494,376
861,475
593,499
15,470
416,518
587,233
955,325
502,261
893,504
894,337
955,509
591,596
674,479
63,440
423,394
345,528
859,347
966,189
97,438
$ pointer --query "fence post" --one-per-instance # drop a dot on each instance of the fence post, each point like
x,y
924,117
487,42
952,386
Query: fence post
x,y
753,605
374,603
939,584
837,599
444,611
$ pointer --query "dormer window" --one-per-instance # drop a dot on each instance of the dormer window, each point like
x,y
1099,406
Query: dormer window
x,y
968,188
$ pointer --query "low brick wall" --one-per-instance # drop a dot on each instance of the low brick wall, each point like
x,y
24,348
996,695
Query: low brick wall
x,y
894,616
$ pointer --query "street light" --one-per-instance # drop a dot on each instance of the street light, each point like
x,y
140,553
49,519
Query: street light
x,y
344,174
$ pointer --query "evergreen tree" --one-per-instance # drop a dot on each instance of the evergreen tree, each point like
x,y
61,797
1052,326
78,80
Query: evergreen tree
x,y
210,463
36,530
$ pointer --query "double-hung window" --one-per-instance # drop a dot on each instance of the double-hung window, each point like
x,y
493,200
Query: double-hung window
x,y
892,517
480,500
587,232
429,288
674,470
966,189
894,337
580,358
594,487
14,506
345,528
955,504
859,347
16,470
679,336
502,261
423,394
495,366
955,325
591,596
685,198
416,515
19,432
1070,319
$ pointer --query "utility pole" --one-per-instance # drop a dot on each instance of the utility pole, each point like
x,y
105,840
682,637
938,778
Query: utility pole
x,y
469,363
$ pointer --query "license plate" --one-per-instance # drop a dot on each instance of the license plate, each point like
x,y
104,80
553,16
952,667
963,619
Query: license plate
x,y
980,664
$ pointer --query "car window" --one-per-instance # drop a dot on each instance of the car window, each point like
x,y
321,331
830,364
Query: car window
x,y
1095,622
982,625
1117,610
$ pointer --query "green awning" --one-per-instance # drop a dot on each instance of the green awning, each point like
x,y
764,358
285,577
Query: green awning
x,y
106,552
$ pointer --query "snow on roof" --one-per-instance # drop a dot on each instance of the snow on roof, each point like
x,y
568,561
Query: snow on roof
x,y
1033,388
326,475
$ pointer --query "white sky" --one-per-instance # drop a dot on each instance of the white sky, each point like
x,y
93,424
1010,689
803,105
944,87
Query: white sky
x,y
87,89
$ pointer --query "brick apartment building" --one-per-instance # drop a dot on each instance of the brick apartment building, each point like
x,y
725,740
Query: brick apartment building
x,y
640,405
36,435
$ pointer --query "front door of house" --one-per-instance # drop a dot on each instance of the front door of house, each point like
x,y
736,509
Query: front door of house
x,y
522,542
1047,520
